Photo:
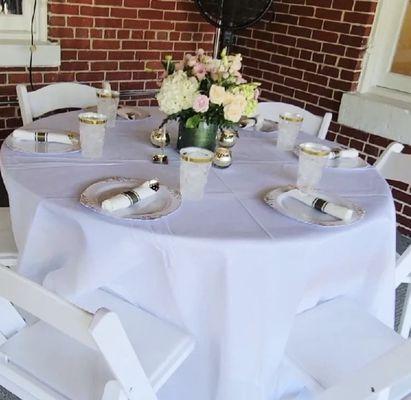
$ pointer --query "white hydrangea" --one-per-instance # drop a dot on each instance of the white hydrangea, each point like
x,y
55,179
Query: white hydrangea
x,y
177,93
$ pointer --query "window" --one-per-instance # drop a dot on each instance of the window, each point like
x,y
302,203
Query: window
x,y
11,7
382,104
396,53
15,34
15,20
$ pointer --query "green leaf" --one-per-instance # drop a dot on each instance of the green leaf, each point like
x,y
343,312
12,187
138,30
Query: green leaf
x,y
192,122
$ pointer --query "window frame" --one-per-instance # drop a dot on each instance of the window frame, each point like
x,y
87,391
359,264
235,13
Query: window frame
x,y
380,54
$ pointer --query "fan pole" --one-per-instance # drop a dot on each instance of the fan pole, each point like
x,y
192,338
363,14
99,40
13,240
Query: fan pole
x,y
217,37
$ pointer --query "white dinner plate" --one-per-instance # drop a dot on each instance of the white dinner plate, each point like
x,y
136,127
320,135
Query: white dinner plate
x,y
350,163
31,147
279,199
164,202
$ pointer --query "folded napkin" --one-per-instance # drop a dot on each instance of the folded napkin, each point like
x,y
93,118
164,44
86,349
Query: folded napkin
x,y
132,196
322,205
252,122
343,153
43,136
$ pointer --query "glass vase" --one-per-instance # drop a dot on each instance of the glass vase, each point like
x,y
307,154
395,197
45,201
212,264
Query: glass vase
x,y
203,136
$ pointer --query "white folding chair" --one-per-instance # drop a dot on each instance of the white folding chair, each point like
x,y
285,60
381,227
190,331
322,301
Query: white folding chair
x,y
8,249
54,97
396,166
346,354
312,124
70,353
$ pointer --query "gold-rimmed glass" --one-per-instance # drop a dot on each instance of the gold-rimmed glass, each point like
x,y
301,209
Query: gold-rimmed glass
x,y
195,165
313,158
92,133
107,104
289,126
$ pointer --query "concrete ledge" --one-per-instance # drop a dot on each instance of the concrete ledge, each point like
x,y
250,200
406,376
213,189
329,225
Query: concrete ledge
x,y
378,113
16,53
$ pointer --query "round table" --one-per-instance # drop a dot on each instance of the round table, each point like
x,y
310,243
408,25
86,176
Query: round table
x,y
228,269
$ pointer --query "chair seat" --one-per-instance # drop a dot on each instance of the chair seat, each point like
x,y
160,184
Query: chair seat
x,y
335,339
80,373
8,247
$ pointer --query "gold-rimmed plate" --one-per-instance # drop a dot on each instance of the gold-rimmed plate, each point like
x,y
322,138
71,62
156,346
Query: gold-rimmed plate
x,y
163,203
279,199
32,147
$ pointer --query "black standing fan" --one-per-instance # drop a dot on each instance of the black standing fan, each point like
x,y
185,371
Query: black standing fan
x,y
231,15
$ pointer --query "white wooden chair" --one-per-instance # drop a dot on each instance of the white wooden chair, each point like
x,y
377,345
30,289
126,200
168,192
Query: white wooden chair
x,y
8,249
396,166
54,97
345,354
313,124
70,353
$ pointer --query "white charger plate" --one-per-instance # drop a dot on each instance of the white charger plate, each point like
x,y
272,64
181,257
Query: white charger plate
x,y
31,147
349,163
279,199
163,203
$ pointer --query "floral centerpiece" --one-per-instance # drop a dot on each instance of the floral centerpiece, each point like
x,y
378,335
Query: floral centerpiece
x,y
204,95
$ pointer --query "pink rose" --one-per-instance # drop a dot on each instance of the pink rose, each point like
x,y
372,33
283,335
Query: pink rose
x,y
201,103
199,70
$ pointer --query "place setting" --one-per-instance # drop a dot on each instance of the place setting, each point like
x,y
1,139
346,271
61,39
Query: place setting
x,y
43,142
304,202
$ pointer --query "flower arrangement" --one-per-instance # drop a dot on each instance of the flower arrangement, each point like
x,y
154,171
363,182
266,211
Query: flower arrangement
x,y
201,89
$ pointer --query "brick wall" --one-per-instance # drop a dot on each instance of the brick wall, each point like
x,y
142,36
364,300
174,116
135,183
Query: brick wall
x,y
308,53
114,40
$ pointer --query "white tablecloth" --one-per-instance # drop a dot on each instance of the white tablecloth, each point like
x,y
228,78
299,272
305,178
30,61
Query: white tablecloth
x,y
229,269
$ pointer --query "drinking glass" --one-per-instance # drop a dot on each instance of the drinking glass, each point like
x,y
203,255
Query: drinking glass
x,y
107,104
288,128
313,158
92,132
195,164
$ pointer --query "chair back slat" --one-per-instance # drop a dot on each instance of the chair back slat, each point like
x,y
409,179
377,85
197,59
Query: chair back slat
x,y
47,306
391,369
120,355
54,97
313,124
394,165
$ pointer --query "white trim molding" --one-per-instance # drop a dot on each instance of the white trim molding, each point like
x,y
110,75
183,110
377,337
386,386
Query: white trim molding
x,y
382,104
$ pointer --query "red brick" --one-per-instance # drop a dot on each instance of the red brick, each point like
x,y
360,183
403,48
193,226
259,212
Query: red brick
x,y
106,44
343,4
150,14
330,14
359,18
75,43
302,10
123,13
365,6
64,9
94,11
